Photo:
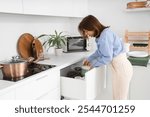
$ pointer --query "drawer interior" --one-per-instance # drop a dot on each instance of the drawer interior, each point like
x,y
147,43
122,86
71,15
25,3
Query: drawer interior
x,y
73,70
78,88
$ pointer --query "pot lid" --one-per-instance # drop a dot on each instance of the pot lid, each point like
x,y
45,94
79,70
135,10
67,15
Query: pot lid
x,y
12,61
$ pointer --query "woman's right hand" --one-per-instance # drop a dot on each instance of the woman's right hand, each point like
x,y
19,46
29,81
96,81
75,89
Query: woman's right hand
x,y
86,62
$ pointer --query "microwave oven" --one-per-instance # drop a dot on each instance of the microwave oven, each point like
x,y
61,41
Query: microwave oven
x,y
75,44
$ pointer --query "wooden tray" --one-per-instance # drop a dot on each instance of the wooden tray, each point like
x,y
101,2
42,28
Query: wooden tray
x,y
37,49
137,4
24,45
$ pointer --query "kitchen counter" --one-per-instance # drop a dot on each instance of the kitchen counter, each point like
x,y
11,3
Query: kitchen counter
x,y
62,61
65,59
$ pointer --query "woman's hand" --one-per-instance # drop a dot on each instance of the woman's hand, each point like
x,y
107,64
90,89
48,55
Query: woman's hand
x,y
86,63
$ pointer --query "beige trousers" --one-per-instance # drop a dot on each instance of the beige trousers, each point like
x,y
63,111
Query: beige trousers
x,y
122,73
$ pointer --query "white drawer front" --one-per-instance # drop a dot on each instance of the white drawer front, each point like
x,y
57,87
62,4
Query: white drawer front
x,y
88,88
73,88
44,83
27,91
10,95
51,95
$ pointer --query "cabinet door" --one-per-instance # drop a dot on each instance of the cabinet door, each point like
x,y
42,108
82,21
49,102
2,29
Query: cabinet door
x,y
80,8
51,95
48,82
68,8
11,6
9,95
37,7
27,91
140,84
48,7
42,84
91,87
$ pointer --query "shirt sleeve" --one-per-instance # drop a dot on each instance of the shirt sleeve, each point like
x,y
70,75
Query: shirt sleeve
x,y
104,53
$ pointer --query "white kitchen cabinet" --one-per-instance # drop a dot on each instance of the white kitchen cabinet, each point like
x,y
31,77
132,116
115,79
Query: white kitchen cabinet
x,y
42,85
80,8
140,84
8,95
51,95
40,7
11,6
69,8
65,8
87,88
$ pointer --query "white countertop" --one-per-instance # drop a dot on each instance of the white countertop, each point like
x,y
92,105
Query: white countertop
x,y
62,61
65,59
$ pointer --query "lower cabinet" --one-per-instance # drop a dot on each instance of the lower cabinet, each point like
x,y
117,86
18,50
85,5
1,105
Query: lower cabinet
x,y
8,95
43,85
140,83
51,95
87,87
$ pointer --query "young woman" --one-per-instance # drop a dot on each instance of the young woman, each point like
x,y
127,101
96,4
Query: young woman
x,y
110,49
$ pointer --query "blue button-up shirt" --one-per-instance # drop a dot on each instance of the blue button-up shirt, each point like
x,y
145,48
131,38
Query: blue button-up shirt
x,y
109,45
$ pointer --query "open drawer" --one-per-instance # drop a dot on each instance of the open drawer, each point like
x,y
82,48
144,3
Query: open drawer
x,y
86,88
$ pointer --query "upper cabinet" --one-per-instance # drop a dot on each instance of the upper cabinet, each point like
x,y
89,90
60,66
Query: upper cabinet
x,y
48,7
68,8
65,8
80,8
11,6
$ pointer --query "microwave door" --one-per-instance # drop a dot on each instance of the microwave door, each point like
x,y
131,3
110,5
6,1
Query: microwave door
x,y
76,45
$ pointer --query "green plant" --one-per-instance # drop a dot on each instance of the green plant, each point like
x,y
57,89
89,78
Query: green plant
x,y
56,40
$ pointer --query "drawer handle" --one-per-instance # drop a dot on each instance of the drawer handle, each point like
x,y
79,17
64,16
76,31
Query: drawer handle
x,y
42,77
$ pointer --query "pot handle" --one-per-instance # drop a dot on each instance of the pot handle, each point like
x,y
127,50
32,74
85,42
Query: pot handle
x,y
1,66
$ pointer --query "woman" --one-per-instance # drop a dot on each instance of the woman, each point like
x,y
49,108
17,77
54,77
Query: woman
x,y
110,49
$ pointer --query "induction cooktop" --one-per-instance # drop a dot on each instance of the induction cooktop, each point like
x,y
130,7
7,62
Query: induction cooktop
x,y
32,69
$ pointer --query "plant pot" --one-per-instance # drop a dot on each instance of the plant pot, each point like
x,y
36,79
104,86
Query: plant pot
x,y
58,52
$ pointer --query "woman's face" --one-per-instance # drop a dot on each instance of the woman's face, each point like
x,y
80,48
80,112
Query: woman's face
x,y
88,34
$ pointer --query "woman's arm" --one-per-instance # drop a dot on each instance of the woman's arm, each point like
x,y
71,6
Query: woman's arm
x,y
104,52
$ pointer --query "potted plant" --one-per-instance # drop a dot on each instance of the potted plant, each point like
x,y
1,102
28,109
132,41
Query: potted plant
x,y
56,40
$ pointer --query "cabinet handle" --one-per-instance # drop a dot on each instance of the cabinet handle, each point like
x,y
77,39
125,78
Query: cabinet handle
x,y
105,76
41,77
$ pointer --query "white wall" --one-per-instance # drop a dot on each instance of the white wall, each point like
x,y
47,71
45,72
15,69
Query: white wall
x,y
12,26
112,13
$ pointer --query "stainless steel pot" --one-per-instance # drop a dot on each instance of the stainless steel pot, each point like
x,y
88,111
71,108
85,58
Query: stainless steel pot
x,y
14,68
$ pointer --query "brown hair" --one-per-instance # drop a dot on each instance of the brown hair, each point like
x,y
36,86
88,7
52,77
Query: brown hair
x,y
91,23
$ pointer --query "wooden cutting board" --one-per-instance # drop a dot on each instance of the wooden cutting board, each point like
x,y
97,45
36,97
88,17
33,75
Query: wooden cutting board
x,y
24,45
37,49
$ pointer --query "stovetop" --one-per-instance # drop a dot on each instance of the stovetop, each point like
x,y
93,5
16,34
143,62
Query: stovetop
x,y
32,69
